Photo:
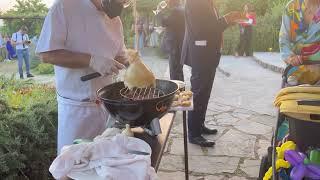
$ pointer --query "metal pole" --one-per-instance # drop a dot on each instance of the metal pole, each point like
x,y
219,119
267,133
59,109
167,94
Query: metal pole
x,y
135,16
185,136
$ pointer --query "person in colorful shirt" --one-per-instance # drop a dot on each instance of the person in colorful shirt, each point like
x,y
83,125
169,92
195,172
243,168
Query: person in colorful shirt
x,y
300,40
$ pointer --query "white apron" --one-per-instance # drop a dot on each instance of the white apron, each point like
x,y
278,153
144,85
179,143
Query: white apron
x,y
79,120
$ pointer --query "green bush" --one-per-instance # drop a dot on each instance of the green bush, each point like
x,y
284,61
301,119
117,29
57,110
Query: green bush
x,y
28,126
34,58
45,69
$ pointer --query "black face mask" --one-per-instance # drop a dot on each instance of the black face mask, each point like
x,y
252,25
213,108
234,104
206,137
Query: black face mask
x,y
112,8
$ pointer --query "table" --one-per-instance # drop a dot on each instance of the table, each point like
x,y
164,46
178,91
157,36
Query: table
x,y
157,143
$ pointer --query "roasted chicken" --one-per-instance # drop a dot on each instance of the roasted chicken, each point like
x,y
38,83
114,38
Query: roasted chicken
x,y
138,75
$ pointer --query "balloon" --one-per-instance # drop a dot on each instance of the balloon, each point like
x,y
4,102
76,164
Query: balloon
x,y
280,163
289,145
294,157
313,171
298,172
300,169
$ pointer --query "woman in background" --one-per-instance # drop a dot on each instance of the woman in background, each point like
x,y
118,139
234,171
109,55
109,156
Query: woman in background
x,y
246,31
10,49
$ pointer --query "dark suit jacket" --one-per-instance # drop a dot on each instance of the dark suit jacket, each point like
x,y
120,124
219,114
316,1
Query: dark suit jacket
x,y
175,29
202,24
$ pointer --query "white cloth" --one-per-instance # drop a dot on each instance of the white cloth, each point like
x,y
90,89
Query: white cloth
x,y
77,26
97,160
18,37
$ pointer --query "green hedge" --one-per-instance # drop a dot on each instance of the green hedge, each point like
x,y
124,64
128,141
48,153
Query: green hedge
x,y
28,126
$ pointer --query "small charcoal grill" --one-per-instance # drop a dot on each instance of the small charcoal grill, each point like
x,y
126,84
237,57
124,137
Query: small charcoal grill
x,y
139,107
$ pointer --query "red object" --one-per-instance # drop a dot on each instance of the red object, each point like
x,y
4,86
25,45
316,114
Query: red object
x,y
250,16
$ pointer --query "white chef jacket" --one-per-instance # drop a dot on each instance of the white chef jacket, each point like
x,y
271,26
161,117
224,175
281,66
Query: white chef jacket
x,y
77,26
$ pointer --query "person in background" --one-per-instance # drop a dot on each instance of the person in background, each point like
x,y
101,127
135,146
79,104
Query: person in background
x,y
21,40
10,49
3,53
299,40
173,38
141,34
246,32
201,50
154,37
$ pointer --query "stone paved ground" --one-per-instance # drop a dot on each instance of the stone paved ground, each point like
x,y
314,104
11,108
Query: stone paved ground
x,y
241,109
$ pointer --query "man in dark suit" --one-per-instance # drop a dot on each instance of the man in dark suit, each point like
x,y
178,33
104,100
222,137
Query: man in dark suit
x,y
201,51
173,38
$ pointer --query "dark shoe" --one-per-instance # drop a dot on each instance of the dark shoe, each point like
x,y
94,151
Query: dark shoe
x,y
21,76
201,141
30,75
208,131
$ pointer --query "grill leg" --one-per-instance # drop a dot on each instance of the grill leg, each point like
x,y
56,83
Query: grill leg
x,y
185,136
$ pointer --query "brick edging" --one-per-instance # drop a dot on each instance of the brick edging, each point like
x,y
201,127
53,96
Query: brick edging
x,y
268,66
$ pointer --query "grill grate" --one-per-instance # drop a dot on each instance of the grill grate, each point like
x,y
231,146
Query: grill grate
x,y
141,93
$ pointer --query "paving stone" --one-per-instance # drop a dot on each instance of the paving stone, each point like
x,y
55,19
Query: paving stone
x,y
252,127
226,119
212,112
224,177
242,114
217,107
172,163
213,165
234,143
263,148
251,167
264,119
216,136
175,176
209,118
177,129
177,148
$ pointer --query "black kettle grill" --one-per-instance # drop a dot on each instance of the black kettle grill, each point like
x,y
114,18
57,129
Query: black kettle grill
x,y
139,107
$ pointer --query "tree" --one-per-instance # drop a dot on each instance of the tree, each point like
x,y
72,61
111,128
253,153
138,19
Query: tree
x,y
26,8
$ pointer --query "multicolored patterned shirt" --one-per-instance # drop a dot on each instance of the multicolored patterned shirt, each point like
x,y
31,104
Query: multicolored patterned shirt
x,y
294,33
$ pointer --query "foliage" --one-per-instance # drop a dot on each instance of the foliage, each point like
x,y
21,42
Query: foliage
x,y
45,68
26,8
28,122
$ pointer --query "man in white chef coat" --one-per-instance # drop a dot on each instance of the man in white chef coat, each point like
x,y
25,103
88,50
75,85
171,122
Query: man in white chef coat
x,y
81,37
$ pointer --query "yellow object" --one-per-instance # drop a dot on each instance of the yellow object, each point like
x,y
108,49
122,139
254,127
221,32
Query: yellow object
x,y
305,75
287,101
289,145
280,163
299,89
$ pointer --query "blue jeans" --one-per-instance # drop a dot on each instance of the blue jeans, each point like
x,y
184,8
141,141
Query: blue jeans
x,y
23,54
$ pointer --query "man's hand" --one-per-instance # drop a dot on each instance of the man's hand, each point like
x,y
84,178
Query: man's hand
x,y
294,60
234,17
123,60
105,66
